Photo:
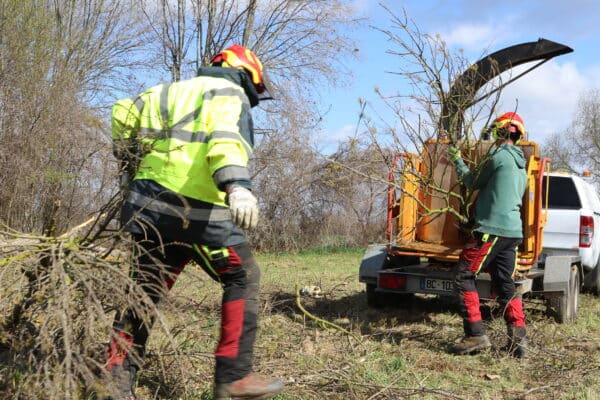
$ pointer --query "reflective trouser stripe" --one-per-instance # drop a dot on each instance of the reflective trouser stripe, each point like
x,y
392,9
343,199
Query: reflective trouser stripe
x,y
206,264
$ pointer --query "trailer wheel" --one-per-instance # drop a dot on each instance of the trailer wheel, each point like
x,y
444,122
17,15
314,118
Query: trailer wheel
x,y
567,304
374,299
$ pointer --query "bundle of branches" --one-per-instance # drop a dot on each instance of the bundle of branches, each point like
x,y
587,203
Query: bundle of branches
x,y
57,303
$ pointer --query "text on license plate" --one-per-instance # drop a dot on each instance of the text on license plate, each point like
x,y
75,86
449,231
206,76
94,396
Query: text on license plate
x,y
441,285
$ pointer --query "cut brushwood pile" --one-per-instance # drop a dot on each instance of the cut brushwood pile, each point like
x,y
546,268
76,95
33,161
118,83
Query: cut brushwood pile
x,y
57,303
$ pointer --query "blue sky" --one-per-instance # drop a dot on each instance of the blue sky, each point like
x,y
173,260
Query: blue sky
x,y
547,97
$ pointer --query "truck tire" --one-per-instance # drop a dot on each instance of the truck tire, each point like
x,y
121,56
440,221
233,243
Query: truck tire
x,y
566,306
597,280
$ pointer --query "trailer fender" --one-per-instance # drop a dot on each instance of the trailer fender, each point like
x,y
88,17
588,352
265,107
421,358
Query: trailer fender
x,y
557,273
372,262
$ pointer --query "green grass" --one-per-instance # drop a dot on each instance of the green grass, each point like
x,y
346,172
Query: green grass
x,y
394,353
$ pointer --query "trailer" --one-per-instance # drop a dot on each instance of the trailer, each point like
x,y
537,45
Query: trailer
x,y
428,211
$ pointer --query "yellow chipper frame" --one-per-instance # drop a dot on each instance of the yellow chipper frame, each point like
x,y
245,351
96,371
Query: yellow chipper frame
x,y
425,202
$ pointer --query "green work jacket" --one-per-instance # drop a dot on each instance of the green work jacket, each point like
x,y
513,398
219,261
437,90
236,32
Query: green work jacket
x,y
501,179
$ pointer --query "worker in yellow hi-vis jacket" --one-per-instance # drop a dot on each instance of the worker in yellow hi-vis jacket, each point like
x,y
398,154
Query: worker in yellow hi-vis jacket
x,y
184,149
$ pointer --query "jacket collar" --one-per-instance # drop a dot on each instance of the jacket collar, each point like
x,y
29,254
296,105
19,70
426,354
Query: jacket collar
x,y
235,75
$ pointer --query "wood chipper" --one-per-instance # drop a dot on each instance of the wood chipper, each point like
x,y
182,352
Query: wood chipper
x,y
428,210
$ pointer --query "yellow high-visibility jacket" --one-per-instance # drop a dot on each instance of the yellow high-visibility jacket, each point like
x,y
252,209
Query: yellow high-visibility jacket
x,y
191,138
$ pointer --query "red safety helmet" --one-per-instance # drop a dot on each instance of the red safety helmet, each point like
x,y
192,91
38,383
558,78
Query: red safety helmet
x,y
237,56
511,122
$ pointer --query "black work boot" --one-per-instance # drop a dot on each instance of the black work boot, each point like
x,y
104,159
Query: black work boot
x,y
471,344
251,387
517,341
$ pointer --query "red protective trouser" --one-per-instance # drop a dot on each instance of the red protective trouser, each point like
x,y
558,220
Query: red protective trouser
x,y
156,269
498,255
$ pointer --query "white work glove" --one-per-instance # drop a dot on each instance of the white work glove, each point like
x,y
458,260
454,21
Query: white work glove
x,y
243,207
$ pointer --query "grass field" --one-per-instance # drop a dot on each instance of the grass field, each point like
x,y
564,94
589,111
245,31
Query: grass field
x,y
335,347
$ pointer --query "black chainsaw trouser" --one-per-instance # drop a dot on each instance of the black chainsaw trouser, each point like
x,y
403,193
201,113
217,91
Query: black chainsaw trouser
x,y
497,255
156,267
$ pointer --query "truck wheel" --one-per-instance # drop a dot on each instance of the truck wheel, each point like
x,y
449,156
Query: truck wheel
x,y
374,299
567,304
597,288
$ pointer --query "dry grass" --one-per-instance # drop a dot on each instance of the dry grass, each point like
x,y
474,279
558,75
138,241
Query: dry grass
x,y
340,349
332,347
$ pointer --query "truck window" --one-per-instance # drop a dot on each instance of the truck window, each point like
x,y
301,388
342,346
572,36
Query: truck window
x,y
562,193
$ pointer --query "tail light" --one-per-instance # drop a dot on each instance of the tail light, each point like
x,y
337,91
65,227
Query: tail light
x,y
391,281
586,230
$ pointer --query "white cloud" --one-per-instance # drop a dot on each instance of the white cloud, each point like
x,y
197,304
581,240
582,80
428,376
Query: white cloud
x,y
470,36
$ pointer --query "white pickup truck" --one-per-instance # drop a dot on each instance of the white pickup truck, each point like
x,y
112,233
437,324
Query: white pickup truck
x,y
573,224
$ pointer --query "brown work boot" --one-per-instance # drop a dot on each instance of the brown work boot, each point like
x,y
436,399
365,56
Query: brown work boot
x,y
517,341
251,387
471,344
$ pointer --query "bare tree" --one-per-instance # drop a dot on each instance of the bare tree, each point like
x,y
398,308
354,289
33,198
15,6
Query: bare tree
x,y
58,60
284,172
356,176
429,69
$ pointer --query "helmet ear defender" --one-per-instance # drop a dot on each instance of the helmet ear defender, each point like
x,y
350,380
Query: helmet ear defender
x,y
508,126
516,137
505,133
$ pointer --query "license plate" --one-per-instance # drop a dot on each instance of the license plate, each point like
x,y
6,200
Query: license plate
x,y
439,285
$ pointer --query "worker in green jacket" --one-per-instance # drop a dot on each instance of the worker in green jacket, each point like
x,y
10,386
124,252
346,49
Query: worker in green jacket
x,y
501,179
184,150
